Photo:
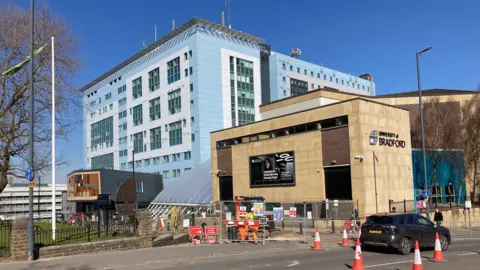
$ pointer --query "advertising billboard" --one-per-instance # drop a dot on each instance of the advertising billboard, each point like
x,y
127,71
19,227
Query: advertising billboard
x,y
272,170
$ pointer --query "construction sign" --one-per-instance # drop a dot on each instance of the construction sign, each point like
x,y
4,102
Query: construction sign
x,y
243,211
258,209
293,212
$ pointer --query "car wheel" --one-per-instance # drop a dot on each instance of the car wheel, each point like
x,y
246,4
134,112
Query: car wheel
x,y
405,246
444,242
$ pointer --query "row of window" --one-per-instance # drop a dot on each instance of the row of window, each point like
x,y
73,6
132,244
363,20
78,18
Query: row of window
x,y
105,109
312,126
312,74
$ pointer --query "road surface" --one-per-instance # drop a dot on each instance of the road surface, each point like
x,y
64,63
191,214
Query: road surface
x,y
461,255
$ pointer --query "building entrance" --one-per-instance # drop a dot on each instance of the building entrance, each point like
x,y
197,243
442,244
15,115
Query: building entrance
x,y
338,184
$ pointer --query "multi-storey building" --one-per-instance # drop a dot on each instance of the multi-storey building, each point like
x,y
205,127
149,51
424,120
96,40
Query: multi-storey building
x,y
290,76
155,111
14,201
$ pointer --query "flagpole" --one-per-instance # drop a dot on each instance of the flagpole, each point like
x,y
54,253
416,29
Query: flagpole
x,y
54,214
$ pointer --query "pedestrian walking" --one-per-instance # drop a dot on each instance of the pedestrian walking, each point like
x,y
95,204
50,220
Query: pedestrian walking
x,y
438,218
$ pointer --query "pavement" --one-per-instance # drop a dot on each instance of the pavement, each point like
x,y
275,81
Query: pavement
x,y
463,254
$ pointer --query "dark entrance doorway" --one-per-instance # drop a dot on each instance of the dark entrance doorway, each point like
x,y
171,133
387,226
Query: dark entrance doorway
x,y
226,188
338,184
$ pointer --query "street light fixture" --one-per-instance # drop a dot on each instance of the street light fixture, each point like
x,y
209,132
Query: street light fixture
x,y
425,186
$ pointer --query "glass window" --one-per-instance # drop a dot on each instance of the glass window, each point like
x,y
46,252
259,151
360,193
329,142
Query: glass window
x,y
191,87
103,162
139,186
379,220
187,155
165,174
138,142
298,87
137,115
174,102
175,133
245,107
173,70
122,114
122,89
190,53
185,55
101,131
137,88
154,109
165,159
155,138
298,70
154,79
423,221
291,68
186,72
193,137
190,70
176,173
108,96
176,157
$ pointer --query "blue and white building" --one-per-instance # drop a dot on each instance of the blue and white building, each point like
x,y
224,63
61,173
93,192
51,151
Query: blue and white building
x,y
155,111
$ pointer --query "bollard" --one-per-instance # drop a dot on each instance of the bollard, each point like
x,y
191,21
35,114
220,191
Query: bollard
x,y
283,224
333,226
301,227
88,228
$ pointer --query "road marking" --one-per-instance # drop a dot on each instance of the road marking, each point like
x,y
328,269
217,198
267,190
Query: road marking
x,y
294,263
469,253
385,264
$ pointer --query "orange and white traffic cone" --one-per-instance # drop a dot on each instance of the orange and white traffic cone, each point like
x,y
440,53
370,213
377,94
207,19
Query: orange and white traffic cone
x,y
358,261
438,254
317,245
162,224
417,260
345,239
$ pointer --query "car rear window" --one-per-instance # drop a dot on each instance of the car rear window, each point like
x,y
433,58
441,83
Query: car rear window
x,y
380,220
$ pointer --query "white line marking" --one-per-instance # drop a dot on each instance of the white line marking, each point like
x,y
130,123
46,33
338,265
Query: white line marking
x,y
470,253
294,263
385,264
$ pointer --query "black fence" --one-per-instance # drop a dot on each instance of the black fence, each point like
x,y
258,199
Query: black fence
x,y
80,234
441,203
5,230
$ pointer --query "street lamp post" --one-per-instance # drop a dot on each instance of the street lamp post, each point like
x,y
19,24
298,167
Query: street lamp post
x,y
425,186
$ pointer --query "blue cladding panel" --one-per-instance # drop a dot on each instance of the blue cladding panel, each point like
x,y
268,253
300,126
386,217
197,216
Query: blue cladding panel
x,y
449,170
209,87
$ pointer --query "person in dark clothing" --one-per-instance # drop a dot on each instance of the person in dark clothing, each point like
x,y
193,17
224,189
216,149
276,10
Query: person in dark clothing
x,y
438,218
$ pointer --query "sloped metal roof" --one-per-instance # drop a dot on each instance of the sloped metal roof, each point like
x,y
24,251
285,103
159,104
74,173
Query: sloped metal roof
x,y
193,187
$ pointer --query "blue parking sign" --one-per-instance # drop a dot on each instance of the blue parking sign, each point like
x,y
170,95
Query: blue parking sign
x,y
28,174
426,192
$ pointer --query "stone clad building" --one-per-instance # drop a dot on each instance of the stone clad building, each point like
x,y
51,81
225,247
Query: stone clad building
x,y
332,145
332,154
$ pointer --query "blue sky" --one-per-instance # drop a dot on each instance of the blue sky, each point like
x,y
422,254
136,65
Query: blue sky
x,y
377,37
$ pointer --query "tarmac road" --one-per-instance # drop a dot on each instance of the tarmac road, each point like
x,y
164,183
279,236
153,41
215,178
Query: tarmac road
x,y
461,255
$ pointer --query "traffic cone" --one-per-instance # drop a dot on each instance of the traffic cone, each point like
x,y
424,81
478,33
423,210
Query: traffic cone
x,y
345,239
438,254
162,224
358,261
417,260
317,245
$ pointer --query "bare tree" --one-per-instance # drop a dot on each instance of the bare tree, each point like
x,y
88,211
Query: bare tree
x,y
471,141
14,110
442,127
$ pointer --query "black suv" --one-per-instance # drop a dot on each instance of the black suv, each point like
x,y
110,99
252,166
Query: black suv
x,y
399,231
